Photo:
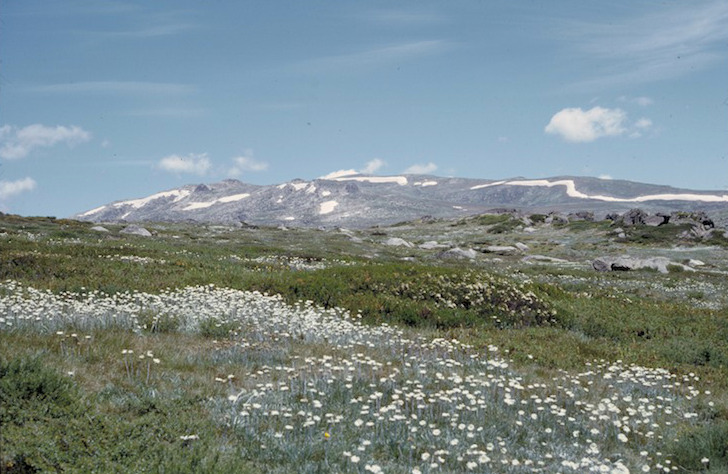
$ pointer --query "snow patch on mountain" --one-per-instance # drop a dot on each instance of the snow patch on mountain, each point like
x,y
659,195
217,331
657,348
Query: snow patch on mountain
x,y
424,184
204,205
571,191
328,207
178,195
198,205
234,197
298,186
93,211
339,174
401,180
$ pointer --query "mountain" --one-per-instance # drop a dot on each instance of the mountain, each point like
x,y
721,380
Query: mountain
x,y
357,200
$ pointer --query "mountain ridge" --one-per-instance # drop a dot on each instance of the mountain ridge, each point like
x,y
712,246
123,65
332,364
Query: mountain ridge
x,y
361,200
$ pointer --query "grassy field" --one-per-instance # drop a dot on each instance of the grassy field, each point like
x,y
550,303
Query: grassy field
x,y
214,349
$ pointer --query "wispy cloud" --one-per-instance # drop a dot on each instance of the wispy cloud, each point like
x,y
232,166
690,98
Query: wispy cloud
x,y
669,43
374,57
115,87
246,163
191,164
11,188
373,166
421,169
582,126
16,143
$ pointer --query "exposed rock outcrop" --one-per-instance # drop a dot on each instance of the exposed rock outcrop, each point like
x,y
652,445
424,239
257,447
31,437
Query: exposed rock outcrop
x,y
135,230
626,263
397,242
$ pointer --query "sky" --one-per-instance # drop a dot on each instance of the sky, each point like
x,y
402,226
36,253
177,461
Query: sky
x,y
110,100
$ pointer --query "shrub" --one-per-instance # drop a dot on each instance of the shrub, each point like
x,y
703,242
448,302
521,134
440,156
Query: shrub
x,y
709,443
417,296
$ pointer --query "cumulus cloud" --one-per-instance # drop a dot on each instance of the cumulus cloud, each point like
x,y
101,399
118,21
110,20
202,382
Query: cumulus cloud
x,y
241,164
11,188
373,166
421,169
16,143
192,163
577,125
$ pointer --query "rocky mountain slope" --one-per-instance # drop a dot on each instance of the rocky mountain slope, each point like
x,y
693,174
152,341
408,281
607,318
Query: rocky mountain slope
x,y
355,200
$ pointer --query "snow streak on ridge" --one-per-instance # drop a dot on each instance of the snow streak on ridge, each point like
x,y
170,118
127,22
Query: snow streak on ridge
x,y
571,191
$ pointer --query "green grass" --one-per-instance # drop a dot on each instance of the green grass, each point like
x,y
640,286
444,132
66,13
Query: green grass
x,y
110,416
99,419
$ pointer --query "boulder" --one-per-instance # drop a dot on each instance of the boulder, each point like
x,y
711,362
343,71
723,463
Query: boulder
x,y
543,258
696,218
628,263
459,253
432,245
634,217
397,242
656,220
521,246
554,218
500,249
581,216
98,228
135,230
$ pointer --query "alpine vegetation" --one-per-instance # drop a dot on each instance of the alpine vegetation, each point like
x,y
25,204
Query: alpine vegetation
x,y
318,391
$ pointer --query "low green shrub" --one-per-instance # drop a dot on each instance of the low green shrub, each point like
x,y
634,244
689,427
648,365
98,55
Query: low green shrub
x,y
416,295
705,448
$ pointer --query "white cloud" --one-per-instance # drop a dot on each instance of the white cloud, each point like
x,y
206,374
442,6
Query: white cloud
x,y
11,188
16,143
577,125
421,169
643,123
192,163
242,164
373,166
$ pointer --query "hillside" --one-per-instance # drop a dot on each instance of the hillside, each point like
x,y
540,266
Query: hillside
x,y
360,201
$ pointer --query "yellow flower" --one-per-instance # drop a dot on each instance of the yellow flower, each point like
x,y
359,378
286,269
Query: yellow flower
x,y
327,435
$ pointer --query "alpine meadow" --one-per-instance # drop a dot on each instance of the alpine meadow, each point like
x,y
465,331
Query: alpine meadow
x,y
485,344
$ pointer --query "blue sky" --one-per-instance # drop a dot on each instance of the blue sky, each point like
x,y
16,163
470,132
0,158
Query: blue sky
x,y
109,100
